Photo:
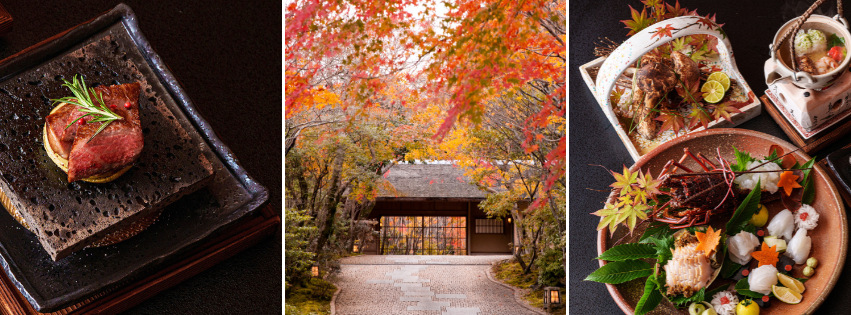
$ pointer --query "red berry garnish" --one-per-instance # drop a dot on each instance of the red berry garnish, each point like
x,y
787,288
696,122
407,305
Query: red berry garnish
x,y
724,300
81,122
127,105
765,298
788,267
112,106
760,232
745,272
804,216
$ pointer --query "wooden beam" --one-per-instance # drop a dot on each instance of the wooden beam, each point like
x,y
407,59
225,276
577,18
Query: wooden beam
x,y
469,227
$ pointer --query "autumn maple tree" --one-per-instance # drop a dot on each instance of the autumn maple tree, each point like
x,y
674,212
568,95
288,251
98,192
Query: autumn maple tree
x,y
373,83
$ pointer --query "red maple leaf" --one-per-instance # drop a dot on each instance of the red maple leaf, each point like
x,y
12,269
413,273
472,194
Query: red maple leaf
x,y
663,31
724,110
671,120
638,22
675,10
698,116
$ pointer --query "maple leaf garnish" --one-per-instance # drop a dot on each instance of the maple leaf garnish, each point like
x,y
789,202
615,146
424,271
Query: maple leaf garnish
x,y
660,31
766,256
680,43
705,20
671,120
608,215
698,116
647,183
675,10
624,181
639,21
724,110
617,93
788,181
708,241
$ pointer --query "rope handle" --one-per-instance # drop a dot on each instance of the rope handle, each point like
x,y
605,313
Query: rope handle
x,y
798,25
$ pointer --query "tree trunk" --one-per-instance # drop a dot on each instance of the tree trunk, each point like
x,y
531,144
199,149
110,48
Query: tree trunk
x,y
332,199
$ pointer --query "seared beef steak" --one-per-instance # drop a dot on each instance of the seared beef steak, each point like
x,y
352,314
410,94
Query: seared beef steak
x,y
114,148
61,138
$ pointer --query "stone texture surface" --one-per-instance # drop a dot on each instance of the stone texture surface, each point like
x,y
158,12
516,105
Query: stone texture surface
x,y
459,285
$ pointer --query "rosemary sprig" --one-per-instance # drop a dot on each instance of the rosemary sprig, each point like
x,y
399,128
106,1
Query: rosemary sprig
x,y
82,97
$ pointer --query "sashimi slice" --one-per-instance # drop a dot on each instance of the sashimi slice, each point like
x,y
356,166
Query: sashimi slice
x,y
782,225
799,247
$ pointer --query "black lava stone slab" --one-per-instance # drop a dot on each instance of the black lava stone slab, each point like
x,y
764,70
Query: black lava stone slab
x,y
65,216
229,195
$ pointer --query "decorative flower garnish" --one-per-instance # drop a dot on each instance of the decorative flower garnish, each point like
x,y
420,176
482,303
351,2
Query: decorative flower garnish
x,y
788,181
806,217
766,256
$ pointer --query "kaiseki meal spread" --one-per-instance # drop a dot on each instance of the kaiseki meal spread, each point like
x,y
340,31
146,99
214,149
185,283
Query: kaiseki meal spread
x,y
709,225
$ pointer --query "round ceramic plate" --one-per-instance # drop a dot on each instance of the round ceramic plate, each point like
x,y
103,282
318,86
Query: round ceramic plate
x,y
829,238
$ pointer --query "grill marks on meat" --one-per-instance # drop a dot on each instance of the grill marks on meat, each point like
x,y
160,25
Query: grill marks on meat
x,y
114,148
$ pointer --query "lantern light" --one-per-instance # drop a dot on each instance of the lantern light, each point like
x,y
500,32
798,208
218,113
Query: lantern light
x,y
314,271
355,249
509,220
552,297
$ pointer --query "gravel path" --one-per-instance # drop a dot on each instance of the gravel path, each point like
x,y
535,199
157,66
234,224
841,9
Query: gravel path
x,y
445,285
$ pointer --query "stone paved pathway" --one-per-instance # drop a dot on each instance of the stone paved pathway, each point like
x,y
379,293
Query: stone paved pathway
x,y
426,285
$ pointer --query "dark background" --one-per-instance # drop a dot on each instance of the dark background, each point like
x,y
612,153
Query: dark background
x,y
227,56
751,26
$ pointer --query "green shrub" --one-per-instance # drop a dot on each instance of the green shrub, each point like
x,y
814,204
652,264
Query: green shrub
x,y
551,269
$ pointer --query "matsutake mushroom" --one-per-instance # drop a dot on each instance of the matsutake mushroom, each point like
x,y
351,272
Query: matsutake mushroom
x,y
652,82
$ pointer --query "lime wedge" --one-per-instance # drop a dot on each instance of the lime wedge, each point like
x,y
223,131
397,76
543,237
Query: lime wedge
x,y
713,90
786,295
791,283
722,78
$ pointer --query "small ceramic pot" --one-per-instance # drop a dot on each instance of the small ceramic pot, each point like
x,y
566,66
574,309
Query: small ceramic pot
x,y
778,68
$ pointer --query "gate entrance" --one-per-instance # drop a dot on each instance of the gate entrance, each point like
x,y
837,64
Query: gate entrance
x,y
423,235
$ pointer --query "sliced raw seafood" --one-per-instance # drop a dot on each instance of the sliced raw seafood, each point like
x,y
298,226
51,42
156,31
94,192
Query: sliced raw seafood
x,y
761,279
689,270
782,225
741,246
799,247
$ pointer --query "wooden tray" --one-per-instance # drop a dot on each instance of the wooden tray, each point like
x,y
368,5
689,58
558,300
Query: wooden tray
x,y
227,244
813,144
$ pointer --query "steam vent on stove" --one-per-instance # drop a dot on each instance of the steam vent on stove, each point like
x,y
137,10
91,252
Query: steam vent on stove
x,y
434,210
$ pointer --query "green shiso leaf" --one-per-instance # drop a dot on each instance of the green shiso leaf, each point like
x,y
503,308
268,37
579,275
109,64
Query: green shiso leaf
x,y
773,156
651,298
656,230
628,252
621,271
745,210
663,249
681,300
743,288
742,160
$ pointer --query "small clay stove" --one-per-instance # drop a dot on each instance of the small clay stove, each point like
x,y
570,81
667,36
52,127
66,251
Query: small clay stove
x,y
809,110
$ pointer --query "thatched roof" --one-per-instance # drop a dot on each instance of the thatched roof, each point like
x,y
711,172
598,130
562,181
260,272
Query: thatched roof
x,y
430,181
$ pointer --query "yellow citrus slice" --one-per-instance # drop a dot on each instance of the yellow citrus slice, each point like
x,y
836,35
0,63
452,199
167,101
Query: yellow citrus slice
x,y
786,295
791,283
722,78
713,91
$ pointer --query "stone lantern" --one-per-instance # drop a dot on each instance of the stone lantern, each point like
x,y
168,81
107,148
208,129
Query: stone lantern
x,y
552,297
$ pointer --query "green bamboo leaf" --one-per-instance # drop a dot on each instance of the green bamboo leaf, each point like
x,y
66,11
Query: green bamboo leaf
x,y
745,210
628,252
729,269
651,298
621,271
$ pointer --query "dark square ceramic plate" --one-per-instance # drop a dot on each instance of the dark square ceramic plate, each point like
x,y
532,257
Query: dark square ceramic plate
x,y
229,196
838,163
